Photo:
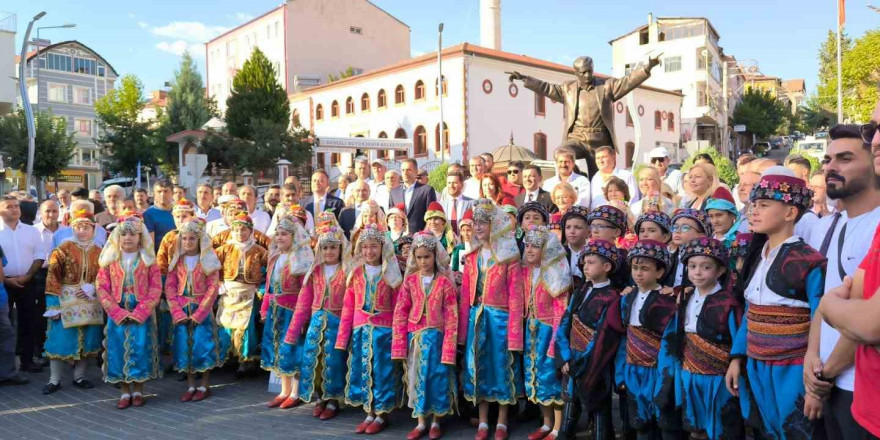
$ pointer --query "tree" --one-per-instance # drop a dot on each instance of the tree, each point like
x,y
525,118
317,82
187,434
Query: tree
x,y
256,94
815,116
826,88
54,147
347,73
761,113
188,107
860,72
125,140
271,142
723,166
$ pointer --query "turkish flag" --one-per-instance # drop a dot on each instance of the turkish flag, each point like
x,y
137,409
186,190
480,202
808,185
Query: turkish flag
x,y
841,12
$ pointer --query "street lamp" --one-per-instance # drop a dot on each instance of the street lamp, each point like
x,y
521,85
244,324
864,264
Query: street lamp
x,y
39,47
440,92
26,102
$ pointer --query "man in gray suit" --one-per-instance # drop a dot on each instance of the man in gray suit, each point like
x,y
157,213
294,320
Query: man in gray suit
x,y
589,113
455,204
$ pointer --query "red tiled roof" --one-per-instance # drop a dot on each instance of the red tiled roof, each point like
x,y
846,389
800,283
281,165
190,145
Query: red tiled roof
x,y
794,85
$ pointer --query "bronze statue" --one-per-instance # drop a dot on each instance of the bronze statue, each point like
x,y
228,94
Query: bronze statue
x,y
589,120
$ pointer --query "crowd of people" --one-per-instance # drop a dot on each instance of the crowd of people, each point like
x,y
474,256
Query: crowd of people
x,y
709,311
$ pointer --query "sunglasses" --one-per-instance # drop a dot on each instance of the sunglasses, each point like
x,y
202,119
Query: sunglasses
x,y
684,229
513,172
868,131
600,228
657,159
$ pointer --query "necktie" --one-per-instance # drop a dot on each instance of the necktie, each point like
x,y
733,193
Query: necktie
x,y
454,215
826,242
532,197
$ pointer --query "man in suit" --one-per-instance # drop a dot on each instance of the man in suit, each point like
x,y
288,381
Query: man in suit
x,y
417,197
321,200
584,99
453,201
360,191
533,192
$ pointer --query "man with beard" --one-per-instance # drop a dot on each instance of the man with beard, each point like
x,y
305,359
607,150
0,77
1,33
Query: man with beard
x,y
271,199
843,238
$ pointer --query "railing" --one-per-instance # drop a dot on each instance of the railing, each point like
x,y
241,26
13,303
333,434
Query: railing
x,y
8,22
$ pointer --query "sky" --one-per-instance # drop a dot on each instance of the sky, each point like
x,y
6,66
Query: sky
x,y
147,38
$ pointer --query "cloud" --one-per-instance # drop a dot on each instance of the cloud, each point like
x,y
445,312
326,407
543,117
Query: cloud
x,y
143,25
178,47
131,15
241,16
189,31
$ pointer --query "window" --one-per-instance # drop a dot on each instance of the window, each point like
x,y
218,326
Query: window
x,y
445,87
702,100
321,158
540,105
101,70
629,119
630,152
57,93
60,62
383,135
672,64
334,110
230,48
319,112
83,127
82,95
643,37
349,106
356,30
399,94
444,141
701,59
365,102
541,145
334,159
658,121
400,134
381,102
627,69
294,119
420,90
670,121
420,142
277,26
84,66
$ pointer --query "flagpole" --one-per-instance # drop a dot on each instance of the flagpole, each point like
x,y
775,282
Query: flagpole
x,y
840,20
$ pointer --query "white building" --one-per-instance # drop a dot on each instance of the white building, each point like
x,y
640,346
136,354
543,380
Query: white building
x,y
692,62
306,40
481,109
7,65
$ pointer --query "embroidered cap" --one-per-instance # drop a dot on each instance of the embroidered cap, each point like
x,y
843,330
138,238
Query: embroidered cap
x,y
722,200
325,218
424,239
82,216
610,214
404,240
576,211
785,189
130,222
330,234
532,206
696,215
435,210
370,232
509,206
194,226
298,212
649,249
484,211
659,218
235,205
536,236
287,224
707,247
183,205
243,219
740,245
604,249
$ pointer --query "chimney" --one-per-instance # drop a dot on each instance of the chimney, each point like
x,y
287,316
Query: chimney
x,y
650,18
490,24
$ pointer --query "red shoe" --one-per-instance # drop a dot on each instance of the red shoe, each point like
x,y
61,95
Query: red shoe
x,y
416,433
278,400
319,408
201,395
362,427
500,433
329,413
435,433
538,434
188,395
138,401
550,437
124,402
376,427
291,403
482,434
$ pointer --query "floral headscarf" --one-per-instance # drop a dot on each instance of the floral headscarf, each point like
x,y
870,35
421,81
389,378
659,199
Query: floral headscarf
x,y
555,270
390,268
300,257
129,222
207,258
502,242
427,240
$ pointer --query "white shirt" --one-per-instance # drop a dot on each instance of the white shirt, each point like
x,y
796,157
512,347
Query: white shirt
x,y
758,292
634,319
46,237
673,178
128,259
856,244
211,215
215,227
472,188
574,260
531,196
22,246
426,282
330,270
350,188
261,220
597,186
695,306
460,207
636,208
679,274
407,194
191,261
806,226
590,290
580,184
372,271
279,267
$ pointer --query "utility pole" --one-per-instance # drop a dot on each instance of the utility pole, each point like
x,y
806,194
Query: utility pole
x,y
441,131
26,103
840,21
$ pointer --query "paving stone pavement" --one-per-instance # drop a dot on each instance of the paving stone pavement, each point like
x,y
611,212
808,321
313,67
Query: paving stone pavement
x,y
235,410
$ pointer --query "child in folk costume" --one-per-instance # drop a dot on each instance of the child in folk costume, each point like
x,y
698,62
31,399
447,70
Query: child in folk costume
x,y
191,287
290,257
723,215
645,367
234,209
323,369
437,224
425,333
530,214
491,318
547,281
708,318
784,281
587,339
465,245
654,225
75,330
129,285
182,212
687,224
373,381
244,263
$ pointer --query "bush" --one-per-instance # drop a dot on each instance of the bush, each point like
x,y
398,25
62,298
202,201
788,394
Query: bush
x,y
437,177
815,164
723,166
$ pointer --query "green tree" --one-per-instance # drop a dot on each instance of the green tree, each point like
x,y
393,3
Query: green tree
x,y
437,177
188,107
54,147
761,113
815,116
723,166
256,94
347,73
861,71
826,88
125,140
271,142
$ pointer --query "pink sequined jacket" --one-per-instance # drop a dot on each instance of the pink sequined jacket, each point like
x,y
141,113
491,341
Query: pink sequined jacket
x,y
204,292
380,314
502,289
290,286
317,294
416,310
542,306
147,289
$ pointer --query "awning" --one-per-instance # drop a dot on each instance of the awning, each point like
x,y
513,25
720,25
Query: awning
x,y
349,144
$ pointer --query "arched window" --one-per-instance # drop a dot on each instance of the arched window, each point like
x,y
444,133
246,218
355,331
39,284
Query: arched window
x,y
420,142
670,121
629,119
658,121
420,90
630,151
319,112
383,135
294,119
381,101
365,102
399,94
386,154
541,145
400,134
334,110
349,105
445,140
445,91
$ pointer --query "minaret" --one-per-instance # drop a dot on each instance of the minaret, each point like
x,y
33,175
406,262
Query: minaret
x,y
490,24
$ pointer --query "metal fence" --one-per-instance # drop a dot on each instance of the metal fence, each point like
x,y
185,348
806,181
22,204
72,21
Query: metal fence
x,y
8,22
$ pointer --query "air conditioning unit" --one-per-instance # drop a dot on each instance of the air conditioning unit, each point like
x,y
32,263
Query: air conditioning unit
x,y
303,82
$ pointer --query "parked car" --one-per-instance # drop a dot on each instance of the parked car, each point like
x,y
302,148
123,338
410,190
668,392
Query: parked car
x,y
129,184
776,142
761,148
787,142
814,148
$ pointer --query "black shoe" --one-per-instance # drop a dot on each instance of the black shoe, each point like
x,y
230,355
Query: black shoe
x,y
30,367
15,380
41,361
239,374
181,377
51,388
83,383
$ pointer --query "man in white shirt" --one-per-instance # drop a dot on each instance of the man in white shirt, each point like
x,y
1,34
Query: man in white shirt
x,y
362,172
66,233
63,197
606,160
454,203
390,194
565,157
261,220
659,157
215,227
205,203
472,184
378,181
48,225
845,239
25,253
